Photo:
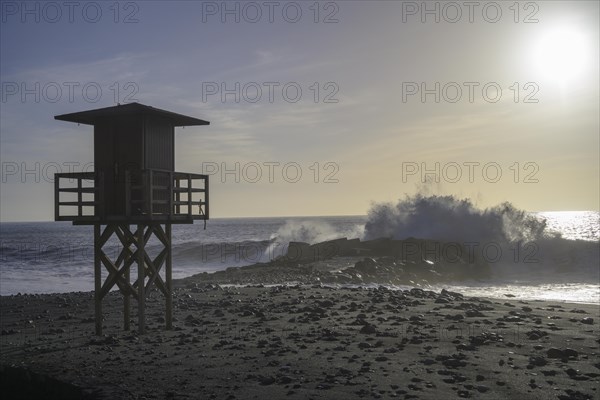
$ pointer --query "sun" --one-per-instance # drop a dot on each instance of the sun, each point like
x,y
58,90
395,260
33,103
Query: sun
x,y
561,54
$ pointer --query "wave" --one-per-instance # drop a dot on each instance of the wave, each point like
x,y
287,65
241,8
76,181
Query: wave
x,y
516,244
314,231
448,218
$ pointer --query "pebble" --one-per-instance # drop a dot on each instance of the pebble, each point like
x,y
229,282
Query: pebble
x,y
571,353
474,313
368,329
482,388
555,353
537,361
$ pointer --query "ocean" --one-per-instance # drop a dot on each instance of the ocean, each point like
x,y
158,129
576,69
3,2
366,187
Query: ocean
x,y
555,259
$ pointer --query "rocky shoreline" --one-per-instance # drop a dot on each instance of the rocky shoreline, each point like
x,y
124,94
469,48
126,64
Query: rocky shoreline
x,y
343,261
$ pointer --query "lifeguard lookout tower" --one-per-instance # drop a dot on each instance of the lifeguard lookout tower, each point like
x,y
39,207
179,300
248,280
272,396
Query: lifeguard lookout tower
x,y
134,183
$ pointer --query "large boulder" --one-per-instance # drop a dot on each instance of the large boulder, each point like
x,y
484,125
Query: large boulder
x,y
368,266
405,260
299,251
304,252
379,246
332,248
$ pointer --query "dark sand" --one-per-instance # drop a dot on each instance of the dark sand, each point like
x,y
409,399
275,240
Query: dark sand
x,y
301,342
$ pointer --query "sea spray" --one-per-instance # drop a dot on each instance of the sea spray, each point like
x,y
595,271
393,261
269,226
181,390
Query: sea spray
x,y
313,231
450,219
516,244
309,231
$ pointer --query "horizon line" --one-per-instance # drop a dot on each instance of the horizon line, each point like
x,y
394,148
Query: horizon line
x,y
285,216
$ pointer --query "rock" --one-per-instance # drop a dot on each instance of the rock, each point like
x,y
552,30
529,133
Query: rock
x,y
448,293
548,372
380,246
368,329
587,321
474,313
468,347
555,353
578,311
368,266
266,380
457,317
218,313
485,338
512,318
299,251
535,334
571,372
575,395
454,363
482,388
332,248
538,361
326,303
570,353
416,292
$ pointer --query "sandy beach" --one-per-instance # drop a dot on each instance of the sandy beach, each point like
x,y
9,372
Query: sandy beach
x,y
305,341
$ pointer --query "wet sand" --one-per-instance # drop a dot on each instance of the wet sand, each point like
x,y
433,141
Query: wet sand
x,y
302,342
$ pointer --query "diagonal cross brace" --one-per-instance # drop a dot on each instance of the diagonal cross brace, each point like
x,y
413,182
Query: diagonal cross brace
x,y
119,269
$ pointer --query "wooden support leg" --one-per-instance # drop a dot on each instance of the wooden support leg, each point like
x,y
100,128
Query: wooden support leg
x,y
168,278
126,302
97,280
141,279
126,296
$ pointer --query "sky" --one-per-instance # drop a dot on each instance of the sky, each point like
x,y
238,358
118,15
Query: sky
x,y
315,108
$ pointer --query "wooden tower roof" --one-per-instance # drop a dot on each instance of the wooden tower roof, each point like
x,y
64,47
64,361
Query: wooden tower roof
x,y
93,117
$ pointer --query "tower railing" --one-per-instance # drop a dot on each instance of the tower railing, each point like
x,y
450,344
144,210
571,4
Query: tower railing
x,y
149,195
84,197
154,192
